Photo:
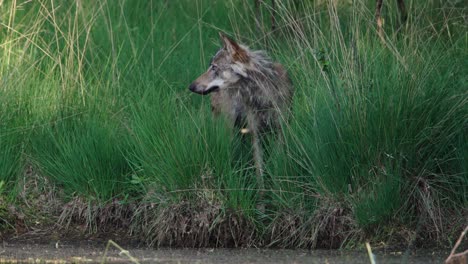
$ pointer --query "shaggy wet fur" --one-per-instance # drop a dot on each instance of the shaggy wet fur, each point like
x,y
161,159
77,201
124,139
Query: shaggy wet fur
x,y
248,88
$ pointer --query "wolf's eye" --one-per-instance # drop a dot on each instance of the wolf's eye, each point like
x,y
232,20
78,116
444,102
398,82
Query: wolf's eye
x,y
214,69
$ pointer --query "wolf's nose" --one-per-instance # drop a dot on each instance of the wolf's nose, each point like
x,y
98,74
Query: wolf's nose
x,y
192,87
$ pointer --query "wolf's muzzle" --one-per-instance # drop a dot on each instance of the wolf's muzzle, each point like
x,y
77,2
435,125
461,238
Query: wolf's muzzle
x,y
195,89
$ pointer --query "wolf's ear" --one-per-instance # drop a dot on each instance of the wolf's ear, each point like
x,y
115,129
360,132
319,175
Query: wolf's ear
x,y
228,44
237,52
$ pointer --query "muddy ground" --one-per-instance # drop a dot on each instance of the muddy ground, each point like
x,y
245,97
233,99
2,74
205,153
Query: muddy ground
x,y
88,251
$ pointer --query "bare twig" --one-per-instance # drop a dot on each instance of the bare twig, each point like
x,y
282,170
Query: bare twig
x,y
460,257
369,252
122,252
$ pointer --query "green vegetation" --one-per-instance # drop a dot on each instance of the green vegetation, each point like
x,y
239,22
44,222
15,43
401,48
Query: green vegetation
x,y
94,101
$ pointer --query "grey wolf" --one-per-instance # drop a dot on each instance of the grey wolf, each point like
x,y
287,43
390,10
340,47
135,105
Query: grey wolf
x,y
250,90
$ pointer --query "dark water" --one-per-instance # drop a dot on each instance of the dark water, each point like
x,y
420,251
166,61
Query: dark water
x,y
91,253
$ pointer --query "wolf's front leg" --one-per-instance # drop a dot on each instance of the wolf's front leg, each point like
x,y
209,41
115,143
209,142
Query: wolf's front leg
x,y
253,121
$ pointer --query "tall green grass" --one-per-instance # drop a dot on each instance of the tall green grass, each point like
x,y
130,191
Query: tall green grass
x,y
83,155
378,127
11,145
95,97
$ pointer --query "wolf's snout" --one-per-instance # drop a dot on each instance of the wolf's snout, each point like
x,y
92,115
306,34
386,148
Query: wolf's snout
x,y
201,89
193,87
197,88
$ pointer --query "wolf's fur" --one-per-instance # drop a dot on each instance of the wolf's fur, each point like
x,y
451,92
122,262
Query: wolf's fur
x,y
378,17
249,89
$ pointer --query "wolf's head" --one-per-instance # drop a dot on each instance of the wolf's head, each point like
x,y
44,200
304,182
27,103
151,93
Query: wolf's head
x,y
227,68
